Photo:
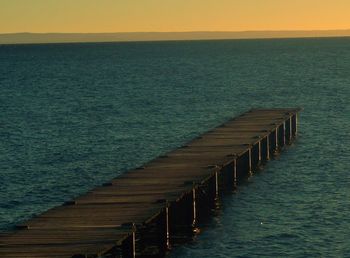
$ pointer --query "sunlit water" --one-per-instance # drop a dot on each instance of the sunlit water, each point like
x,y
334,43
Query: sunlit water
x,y
73,116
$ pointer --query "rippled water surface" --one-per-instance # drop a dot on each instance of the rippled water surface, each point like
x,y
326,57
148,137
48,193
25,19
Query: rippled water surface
x,y
73,116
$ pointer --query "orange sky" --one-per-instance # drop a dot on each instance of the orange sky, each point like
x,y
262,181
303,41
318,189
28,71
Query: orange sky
x,y
171,15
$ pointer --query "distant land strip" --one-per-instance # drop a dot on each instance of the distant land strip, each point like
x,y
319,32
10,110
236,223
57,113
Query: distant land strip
x,y
38,38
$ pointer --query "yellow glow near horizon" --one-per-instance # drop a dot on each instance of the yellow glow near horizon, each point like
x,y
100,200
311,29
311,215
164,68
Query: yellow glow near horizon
x,y
171,15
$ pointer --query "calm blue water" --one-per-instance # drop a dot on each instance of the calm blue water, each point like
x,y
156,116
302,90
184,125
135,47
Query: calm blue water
x,y
73,116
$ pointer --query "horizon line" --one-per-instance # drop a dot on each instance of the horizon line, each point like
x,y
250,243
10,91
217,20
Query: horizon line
x,y
184,31
99,37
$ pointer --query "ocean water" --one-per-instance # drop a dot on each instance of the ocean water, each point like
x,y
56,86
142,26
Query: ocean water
x,y
73,116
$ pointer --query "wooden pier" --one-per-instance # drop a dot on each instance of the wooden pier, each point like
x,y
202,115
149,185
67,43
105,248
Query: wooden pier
x,y
147,210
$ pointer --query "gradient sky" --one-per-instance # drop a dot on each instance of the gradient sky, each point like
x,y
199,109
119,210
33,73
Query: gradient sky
x,y
171,15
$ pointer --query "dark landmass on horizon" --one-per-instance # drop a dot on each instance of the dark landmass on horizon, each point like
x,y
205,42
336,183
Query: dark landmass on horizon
x,y
36,38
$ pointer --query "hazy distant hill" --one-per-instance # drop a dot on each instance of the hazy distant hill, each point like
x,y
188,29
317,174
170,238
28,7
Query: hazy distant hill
x,y
21,38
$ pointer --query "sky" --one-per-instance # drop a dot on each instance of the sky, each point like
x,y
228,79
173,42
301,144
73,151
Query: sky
x,y
96,16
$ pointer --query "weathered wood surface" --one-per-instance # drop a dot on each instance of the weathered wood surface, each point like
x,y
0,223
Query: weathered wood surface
x,y
104,220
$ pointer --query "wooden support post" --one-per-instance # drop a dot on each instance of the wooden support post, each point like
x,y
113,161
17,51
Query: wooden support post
x,y
284,133
276,139
235,173
128,245
194,221
296,125
167,225
290,130
216,185
133,240
259,152
268,147
250,170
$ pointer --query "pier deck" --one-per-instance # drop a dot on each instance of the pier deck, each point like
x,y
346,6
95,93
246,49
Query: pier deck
x,y
144,211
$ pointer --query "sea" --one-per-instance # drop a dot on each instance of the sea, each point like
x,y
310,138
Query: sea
x,y
73,116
